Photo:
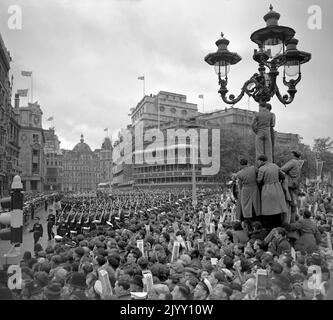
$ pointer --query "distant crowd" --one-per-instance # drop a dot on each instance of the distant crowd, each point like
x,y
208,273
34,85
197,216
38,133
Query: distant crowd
x,y
157,245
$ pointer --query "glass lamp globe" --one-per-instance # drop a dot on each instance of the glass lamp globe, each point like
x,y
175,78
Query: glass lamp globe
x,y
292,68
222,67
273,47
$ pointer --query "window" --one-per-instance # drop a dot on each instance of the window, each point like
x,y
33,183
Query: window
x,y
34,185
35,153
35,168
35,138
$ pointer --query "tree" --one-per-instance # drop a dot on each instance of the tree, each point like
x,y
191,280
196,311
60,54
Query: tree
x,y
322,148
322,145
234,146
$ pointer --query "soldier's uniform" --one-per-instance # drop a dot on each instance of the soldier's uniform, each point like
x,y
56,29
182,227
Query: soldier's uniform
x,y
37,230
62,229
50,224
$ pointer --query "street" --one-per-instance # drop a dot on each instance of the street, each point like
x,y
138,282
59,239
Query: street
x,y
28,242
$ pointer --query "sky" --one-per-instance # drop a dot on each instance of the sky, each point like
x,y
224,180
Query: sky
x,y
86,57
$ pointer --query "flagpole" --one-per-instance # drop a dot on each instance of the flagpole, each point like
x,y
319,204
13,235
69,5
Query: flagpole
x,y
144,86
32,96
203,104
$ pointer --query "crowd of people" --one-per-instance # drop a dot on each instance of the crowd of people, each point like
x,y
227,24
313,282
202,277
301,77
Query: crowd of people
x,y
156,245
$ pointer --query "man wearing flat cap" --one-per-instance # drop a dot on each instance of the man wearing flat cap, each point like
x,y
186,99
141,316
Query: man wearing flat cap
x,y
292,169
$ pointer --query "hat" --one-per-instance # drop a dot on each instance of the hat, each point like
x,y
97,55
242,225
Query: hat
x,y
78,280
281,281
42,278
53,290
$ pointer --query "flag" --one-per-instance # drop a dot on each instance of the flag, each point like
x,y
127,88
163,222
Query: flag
x,y
106,129
22,92
141,78
50,119
200,96
26,73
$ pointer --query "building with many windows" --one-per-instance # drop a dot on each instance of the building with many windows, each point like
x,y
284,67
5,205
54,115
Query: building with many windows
x,y
9,126
81,168
174,165
105,158
53,161
31,141
154,110
240,120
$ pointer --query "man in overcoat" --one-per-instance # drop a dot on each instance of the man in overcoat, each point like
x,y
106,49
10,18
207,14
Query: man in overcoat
x,y
262,125
249,191
273,202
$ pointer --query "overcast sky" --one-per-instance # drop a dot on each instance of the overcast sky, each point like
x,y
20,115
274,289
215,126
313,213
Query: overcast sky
x,y
86,57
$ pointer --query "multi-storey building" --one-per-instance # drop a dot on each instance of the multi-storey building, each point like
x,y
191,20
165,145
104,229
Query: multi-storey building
x,y
13,149
154,110
240,120
81,169
9,126
53,161
174,166
105,158
166,111
31,141
122,159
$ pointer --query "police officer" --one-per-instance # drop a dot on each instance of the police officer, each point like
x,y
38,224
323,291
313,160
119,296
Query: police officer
x,y
50,223
37,230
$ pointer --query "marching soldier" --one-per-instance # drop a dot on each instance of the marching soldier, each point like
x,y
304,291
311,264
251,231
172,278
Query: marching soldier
x,y
62,228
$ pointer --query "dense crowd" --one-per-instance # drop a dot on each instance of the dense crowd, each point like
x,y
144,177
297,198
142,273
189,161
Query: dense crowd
x,y
187,253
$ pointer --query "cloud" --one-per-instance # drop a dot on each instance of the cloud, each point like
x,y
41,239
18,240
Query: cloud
x,y
86,57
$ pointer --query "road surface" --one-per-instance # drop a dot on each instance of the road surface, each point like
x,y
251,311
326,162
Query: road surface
x,y
28,241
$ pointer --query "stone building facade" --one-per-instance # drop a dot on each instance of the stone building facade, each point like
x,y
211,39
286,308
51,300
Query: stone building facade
x,y
9,126
105,158
53,161
32,141
81,168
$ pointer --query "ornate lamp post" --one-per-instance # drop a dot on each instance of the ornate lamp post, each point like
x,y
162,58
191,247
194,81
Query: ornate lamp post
x,y
277,48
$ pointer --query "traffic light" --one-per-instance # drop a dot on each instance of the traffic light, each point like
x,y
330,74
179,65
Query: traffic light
x,y
14,218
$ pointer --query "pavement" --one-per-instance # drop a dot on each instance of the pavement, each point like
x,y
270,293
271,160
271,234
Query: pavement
x,y
28,241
